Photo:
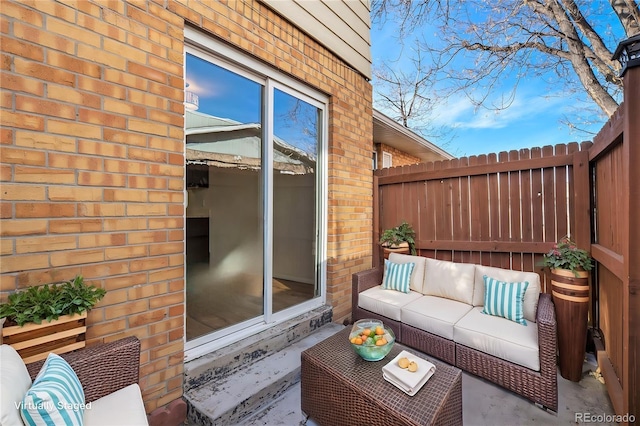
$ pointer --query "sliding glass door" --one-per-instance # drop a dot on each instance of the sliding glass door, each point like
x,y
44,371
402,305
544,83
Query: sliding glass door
x,y
254,191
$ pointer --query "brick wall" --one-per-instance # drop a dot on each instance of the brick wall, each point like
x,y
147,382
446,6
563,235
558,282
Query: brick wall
x,y
400,158
92,165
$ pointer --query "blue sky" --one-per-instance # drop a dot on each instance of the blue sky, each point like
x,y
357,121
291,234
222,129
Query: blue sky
x,y
535,118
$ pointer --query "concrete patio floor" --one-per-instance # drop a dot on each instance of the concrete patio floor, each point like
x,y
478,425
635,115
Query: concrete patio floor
x,y
484,404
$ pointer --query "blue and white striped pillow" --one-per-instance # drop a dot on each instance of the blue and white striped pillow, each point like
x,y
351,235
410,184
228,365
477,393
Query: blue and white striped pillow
x,y
397,276
504,299
56,396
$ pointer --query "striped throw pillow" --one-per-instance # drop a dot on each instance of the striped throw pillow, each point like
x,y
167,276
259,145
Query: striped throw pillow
x,y
397,276
56,396
504,299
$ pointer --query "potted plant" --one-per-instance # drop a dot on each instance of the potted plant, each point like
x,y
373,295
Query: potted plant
x,y
566,255
570,268
399,239
48,318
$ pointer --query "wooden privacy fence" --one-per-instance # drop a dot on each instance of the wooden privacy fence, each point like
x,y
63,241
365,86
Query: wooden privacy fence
x,y
607,166
502,210
615,163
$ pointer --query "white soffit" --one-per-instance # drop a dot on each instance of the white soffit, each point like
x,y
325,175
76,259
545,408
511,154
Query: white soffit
x,y
389,132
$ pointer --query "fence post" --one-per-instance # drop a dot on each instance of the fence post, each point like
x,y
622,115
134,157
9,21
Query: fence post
x,y
375,250
628,53
631,250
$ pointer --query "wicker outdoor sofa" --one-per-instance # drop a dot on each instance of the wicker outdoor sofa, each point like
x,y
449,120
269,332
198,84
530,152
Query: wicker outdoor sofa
x,y
441,316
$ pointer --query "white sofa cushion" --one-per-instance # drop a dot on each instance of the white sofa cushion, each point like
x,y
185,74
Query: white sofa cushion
x,y
499,337
435,315
123,407
450,280
386,302
14,383
530,296
417,276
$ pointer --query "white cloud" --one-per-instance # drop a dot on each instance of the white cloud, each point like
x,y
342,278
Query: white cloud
x,y
462,114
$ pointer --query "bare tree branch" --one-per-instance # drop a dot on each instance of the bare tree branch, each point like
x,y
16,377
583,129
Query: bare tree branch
x,y
517,47
596,44
406,94
477,41
629,15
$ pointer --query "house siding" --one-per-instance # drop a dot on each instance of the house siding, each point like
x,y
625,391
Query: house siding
x,y
344,27
92,158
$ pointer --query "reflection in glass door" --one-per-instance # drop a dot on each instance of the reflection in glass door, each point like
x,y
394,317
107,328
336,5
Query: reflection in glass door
x,y
253,199
224,188
295,150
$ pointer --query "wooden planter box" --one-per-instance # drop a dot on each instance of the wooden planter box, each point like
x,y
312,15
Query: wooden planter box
x,y
34,341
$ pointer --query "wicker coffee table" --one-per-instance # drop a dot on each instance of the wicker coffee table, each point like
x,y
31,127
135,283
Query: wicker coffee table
x,y
340,388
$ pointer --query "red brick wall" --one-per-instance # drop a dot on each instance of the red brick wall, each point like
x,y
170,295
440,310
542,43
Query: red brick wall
x,y
92,166
399,158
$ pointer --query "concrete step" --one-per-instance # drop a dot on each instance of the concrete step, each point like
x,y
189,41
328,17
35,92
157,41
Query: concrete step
x,y
285,411
225,361
245,378
284,407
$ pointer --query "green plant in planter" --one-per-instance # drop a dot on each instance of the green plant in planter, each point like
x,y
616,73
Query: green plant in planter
x,y
50,301
395,236
566,255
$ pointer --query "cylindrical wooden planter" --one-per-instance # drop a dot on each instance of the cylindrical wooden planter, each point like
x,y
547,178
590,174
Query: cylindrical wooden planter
x,y
402,248
571,300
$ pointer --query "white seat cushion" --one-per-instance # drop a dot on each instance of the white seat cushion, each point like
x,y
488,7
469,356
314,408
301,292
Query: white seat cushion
x,y
417,276
530,296
14,383
499,337
123,407
435,315
385,302
450,280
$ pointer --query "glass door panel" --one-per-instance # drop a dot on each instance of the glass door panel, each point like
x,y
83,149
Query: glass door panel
x,y
224,228
295,229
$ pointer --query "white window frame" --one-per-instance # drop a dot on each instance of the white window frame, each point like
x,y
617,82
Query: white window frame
x,y
218,53
387,160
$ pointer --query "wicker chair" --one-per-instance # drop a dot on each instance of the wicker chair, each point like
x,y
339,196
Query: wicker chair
x,y
102,369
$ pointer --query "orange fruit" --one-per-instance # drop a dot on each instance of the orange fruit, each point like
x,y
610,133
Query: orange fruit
x,y
358,341
366,331
353,340
381,342
379,330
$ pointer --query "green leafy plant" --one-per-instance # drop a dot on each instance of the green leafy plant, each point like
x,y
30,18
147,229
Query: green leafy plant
x,y
566,255
395,236
50,301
